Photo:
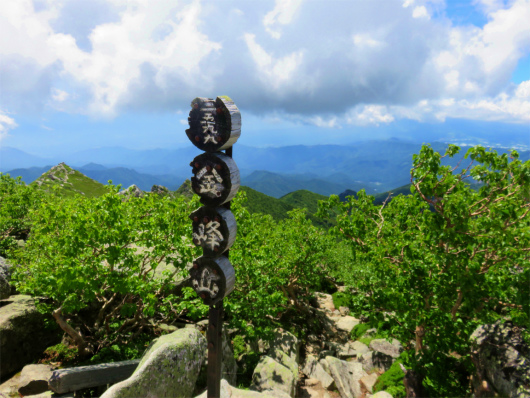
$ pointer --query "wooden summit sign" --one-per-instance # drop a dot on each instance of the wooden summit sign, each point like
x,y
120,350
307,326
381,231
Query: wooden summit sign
x,y
215,125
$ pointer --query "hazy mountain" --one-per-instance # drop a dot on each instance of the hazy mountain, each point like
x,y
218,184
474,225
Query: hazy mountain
x,y
118,175
11,158
376,166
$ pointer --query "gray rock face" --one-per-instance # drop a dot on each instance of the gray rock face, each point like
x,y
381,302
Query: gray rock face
x,y
314,370
227,391
382,394
286,342
383,346
324,301
347,376
347,323
359,348
374,360
132,191
272,377
169,368
502,359
5,278
34,379
22,334
228,364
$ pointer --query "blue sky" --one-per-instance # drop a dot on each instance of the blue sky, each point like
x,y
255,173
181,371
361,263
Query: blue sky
x,y
90,73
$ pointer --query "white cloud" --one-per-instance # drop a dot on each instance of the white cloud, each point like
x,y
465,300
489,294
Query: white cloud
x,y
369,115
6,123
365,40
282,14
59,95
275,72
420,12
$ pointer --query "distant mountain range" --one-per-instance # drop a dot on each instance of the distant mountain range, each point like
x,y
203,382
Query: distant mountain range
x,y
376,166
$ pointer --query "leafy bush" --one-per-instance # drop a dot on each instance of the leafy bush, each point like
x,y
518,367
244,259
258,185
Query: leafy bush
x,y
445,259
359,330
107,264
392,381
16,201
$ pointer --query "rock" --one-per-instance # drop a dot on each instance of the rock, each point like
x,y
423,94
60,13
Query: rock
x,y
227,391
228,364
324,301
5,277
23,336
347,376
313,389
359,348
34,379
392,349
374,360
368,381
286,342
382,394
347,323
132,191
169,368
315,371
370,332
160,190
344,311
502,359
272,377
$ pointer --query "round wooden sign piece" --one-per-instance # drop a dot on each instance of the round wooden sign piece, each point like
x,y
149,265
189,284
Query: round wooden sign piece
x,y
212,278
215,178
215,125
214,229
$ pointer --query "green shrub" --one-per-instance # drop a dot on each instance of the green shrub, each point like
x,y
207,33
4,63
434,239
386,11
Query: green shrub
x,y
359,330
392,381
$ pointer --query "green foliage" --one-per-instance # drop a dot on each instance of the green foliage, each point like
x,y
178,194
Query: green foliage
x,y
277,264
444,259
99,262
392,381
60,353
359,330
341,299
16,201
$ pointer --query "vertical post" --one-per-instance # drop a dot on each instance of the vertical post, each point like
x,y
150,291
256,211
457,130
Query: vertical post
x,y
215,349
214,126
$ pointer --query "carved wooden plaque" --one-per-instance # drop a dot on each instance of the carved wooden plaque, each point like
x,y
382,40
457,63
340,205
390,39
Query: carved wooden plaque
x,y
215,178
214,229
214,124
212,278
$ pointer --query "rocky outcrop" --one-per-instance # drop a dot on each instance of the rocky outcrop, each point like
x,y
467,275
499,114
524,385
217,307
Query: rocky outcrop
x,y
277,373
347,376
502,360
5,277
132,192
169,368
34,379
23,336
228,391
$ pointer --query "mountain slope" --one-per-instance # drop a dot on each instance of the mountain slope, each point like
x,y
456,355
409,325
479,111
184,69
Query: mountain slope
x,y
66,181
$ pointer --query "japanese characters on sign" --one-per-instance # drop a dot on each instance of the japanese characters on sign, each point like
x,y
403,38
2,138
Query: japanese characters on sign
x,y
215,178
214,229
215,125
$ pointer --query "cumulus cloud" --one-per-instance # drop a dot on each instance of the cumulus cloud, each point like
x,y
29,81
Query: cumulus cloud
x,y
352,62
6,123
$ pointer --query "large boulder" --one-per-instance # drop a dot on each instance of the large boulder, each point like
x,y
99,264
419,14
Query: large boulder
x,y
23,335
34,379
383,346
502,360
272,377
169,368
347,376
227,391
5,277
286,342
314,370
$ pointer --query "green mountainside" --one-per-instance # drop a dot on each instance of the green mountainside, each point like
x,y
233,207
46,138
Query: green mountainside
x,y
304,199
66,181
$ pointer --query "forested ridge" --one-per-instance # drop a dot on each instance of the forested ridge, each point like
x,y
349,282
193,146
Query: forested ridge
x,y
426,268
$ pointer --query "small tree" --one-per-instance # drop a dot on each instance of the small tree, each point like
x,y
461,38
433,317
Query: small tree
x,y
448,257
99,260
16,200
